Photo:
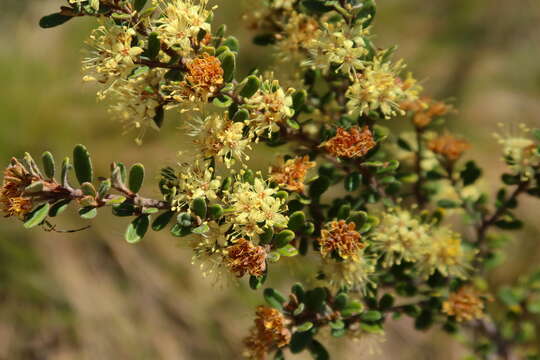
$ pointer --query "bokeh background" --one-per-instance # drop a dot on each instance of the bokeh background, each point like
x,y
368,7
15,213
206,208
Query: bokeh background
x,y
90,295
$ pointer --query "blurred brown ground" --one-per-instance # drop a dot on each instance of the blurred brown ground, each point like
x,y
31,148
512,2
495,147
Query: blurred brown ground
x,y
90,295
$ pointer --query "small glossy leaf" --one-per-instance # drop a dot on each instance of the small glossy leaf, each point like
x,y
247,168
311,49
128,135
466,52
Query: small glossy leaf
x,y
288,250
53,20
154,46
136,178
199,208
297,221
88,212
228,63
162,220
59,207
274,298
283,238
250,88
137,229
305,326
82,164
48,164
37,216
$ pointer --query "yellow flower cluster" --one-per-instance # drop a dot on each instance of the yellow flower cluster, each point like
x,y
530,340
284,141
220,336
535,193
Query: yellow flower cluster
x,y
112,54
340,45
215,136
255,207
378,88
181,22
137,100
270,106
195,180
400,236
520,152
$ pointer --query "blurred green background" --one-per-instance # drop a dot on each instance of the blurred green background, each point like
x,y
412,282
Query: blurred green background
x,y
90,295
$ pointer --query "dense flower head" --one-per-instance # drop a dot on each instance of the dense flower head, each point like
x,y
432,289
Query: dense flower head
x,y
13,202
448,146
255,206
217,136
400,236
342,238
520,152
203,78
465,304
269,331
244,257
112,54
137,100
181,22
290,174
270,106
444,253
298,30
378,88
338,44
351,143
357,274
194,180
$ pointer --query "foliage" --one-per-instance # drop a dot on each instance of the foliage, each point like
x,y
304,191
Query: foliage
x,y
375,215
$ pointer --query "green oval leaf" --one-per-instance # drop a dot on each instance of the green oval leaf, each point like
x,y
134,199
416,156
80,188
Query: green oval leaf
x,y
48,164
137,229
136,177
250,88
37,216
53,20
88,212
82,164
162,220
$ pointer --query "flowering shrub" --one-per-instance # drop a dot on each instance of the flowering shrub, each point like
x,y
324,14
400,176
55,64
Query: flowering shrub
x,y
368,206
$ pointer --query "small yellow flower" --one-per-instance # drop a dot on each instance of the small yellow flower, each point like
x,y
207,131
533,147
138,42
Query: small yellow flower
x,y
270,106
400,236
377,88
255,207
444,253
218,137
112,54
195,180
180,23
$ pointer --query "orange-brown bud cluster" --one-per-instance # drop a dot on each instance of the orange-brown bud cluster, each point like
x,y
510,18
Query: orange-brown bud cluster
x,y
341,237
424,110
448,147
244,257
290,174
12,199
269,331
205,75
355,142
465,304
